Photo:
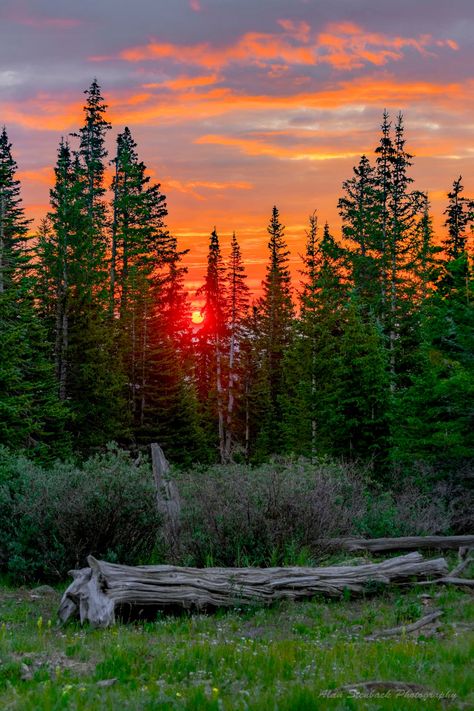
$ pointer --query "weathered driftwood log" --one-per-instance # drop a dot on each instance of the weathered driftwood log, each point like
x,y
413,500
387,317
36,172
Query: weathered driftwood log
x,y
97,591
405,543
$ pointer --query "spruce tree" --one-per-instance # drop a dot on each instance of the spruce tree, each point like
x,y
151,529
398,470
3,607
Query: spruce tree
x,y
13,224
360,210
238,298
434,415
73,254
275,314
211,342
31,415
312,363
90,170
456,265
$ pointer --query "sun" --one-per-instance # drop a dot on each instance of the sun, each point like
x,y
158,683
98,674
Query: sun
x,y
197,317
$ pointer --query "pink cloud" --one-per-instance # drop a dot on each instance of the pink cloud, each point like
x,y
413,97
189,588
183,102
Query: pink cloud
x,y
195,5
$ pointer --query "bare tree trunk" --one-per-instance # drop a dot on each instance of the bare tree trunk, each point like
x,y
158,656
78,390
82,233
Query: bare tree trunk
x,y
247,421
167,500
143,363
230,396
220,404
113,257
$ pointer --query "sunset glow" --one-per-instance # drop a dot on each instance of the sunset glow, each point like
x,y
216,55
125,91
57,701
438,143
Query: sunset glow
x,y
197,317
237,106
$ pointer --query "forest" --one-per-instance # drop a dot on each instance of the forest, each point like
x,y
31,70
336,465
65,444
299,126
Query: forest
x,y
338,404
369,357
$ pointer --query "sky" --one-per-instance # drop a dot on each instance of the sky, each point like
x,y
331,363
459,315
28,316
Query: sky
x,y
237,105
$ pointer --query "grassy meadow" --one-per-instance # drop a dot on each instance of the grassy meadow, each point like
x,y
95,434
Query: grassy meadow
x,y
291,657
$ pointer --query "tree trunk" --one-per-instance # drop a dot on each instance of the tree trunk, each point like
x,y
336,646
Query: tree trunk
x,y
113,256
230,398
220,404
96,592
406,543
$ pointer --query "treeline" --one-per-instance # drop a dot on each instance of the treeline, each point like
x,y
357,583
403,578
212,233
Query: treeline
x,y
369,357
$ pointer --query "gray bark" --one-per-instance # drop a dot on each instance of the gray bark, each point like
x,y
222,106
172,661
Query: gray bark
x,y
404,543
96,592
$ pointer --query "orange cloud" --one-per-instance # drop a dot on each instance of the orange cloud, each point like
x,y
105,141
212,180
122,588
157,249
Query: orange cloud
x,y
299,30
201,102
189,187
44,176
184,82
43,112
256,147
344,46
59,23
347,46
376,91
251,48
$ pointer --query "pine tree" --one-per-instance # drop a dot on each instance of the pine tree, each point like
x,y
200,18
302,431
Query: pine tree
x,y
456,263
13,224
360,211
238,298
62,257
140,242
72,256
211,340
275,313
433,416
30,413
311,365
90,170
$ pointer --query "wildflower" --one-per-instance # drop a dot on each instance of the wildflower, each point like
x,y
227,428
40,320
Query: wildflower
x,y
215,690
39,623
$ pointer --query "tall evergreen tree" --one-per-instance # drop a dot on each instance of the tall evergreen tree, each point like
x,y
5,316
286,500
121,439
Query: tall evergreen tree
x,y
91,171
72,255
275,311
13,224
30,413
361,211
458,213
211,341
238,298
434,417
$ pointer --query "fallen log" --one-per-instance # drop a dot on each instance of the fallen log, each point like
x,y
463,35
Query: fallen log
x,y
404,629
404,543
98,591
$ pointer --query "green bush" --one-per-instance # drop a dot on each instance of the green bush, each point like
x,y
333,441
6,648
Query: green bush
x,y
236,515
274,514
50,520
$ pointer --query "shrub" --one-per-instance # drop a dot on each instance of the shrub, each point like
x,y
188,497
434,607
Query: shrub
x,y
237,515
50,520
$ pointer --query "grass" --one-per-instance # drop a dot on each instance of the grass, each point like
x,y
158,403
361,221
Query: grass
x,y
291,657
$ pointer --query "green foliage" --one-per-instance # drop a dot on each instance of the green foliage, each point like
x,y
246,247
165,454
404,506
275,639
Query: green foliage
x,y
51,519
277,513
